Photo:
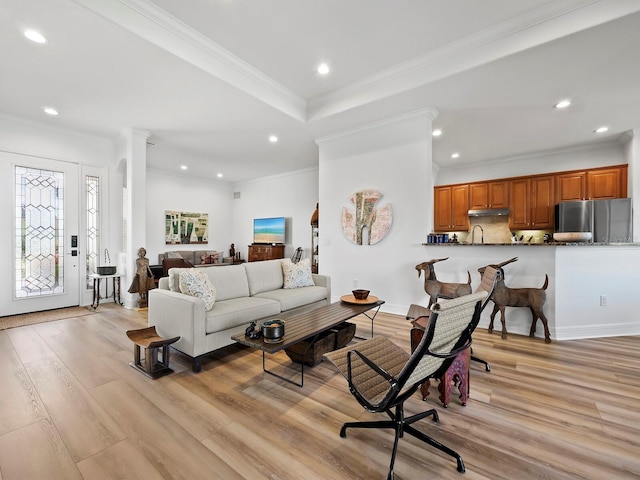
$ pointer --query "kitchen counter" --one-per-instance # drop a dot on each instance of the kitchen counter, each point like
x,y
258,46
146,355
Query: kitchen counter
x,y
532,244
592,290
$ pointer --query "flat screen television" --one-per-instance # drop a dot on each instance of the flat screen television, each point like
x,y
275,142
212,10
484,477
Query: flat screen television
x,y
269,230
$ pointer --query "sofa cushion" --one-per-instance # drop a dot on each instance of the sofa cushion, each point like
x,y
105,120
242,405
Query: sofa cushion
x,y
174,278
295,297
196,283
239,311
297,275
230,281
264,276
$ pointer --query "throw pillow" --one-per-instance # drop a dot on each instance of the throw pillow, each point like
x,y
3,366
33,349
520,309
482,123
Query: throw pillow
x,y
297,274
208,259
173,255
197,284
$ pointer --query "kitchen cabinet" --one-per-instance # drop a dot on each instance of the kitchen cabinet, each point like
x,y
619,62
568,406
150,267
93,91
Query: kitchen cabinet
x,y
532,203
484,195
451,208
571,186
593,184
607,183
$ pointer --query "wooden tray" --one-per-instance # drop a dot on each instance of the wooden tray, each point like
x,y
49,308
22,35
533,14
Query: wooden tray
x,y
351,299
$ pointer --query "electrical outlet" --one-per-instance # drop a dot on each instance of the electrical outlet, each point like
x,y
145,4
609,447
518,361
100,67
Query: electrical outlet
x,y
603,300
355,283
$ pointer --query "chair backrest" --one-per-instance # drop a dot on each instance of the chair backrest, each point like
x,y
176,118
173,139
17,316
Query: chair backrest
x,y
297,255
488,280
448,332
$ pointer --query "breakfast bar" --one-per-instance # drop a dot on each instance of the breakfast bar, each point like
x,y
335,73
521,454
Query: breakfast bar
x,y
592,291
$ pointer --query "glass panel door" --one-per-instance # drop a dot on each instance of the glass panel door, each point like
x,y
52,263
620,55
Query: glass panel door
x,y
45,273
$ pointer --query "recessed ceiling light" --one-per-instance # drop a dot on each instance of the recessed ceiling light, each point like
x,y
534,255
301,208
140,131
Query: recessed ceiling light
x,y
35,36
562,104
273,139
323,69
601,129
437,132
50,111
220,175
455,155
183,167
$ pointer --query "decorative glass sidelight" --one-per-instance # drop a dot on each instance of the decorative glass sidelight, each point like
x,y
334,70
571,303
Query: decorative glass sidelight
x,y
39,225
92,185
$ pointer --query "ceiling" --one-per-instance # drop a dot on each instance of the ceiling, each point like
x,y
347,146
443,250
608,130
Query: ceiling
x,y
211,80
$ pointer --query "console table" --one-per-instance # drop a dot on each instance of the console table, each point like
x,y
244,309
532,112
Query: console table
x,y
259,252
96,288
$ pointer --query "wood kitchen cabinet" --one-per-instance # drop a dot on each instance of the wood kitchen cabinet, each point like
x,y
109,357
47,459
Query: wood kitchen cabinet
x,y
593,184
532,203
531,200
484,195
451,208
571,186
258,252
607,183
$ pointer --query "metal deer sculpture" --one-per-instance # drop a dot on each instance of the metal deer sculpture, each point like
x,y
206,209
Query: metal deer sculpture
x,y
533,298
434,287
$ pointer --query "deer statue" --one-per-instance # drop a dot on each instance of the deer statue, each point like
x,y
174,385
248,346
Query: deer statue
x,y
533,298
434,287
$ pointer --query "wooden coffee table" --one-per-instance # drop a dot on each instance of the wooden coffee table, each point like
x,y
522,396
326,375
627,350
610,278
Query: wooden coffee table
x,y
306,326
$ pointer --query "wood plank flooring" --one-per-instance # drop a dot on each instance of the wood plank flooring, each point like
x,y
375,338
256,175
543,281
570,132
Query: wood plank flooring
x,y
71,407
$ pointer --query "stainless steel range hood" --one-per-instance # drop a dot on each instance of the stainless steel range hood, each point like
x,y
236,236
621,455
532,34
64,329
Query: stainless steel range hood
x,y
489,212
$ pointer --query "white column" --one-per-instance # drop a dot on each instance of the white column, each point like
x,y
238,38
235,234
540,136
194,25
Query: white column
x,y
136,177
633,188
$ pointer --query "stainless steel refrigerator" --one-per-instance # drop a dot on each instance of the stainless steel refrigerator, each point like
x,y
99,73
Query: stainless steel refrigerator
x,y
608,220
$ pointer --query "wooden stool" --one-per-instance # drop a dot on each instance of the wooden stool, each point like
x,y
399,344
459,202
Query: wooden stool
x,y
149,339
456,375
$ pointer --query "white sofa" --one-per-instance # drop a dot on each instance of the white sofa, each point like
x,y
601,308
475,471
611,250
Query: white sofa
x,y
244,293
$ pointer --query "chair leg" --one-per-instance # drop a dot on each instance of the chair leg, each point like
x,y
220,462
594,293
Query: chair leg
x,y
400,425
484,362
375,424
479,360
443,448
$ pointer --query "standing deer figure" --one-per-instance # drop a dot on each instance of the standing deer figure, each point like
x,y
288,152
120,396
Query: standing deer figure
x,y
434,287
533,298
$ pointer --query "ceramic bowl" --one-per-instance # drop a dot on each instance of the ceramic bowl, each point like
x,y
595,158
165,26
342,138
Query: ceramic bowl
x,y
572,236
360,294
273,329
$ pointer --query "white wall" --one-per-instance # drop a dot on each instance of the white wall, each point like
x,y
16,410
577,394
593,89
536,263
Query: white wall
x,y
575,158
583,275
394,159
293,195
166,191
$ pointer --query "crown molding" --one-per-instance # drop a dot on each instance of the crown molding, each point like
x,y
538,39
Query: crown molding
x,y
539,154
551,22
429,112
148,21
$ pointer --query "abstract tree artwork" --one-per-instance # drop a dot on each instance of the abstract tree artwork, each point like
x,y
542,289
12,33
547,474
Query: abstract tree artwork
x,y
368,224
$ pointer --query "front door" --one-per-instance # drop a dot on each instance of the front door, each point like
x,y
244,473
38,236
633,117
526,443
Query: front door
x,y
44,268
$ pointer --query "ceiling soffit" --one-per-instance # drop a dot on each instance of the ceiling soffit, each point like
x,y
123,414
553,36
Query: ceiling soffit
x,y
555,20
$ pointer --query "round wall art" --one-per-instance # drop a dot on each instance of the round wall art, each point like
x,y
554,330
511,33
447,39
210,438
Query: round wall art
x,y
367,225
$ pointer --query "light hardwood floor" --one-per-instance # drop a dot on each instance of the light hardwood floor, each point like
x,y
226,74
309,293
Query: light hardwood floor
x,y
72,408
